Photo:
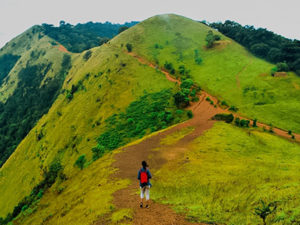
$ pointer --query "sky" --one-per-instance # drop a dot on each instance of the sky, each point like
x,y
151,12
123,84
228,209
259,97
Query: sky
x,y
279,16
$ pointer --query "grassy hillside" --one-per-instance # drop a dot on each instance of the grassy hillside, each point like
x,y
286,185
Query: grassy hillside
x,y
226,172
227,71
106,84
109,99
32,72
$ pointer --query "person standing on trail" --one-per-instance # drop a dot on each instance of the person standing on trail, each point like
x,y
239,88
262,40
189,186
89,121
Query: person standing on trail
x,y
144,177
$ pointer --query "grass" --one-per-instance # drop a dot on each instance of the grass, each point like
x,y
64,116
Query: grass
x,y
176,136
229,170
227,71
71,127
79,199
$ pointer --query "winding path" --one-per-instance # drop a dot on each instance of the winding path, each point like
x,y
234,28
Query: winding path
x,y
128,160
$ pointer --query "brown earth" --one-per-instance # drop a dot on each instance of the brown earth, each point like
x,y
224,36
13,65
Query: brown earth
x,y
128,160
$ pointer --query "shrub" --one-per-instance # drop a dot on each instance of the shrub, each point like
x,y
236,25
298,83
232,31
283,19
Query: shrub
x,y
98,151
188,83
237,121
87,55
80,161
282,67
244,123
265,210
233,108
223,103
169,67
254,123
190,114
228,118
208,99
129,47
290,132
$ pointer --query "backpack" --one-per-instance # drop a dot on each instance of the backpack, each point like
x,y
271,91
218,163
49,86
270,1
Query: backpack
x,y
144,178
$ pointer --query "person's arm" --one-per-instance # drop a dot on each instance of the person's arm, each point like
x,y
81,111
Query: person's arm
x,y
139,175
149,174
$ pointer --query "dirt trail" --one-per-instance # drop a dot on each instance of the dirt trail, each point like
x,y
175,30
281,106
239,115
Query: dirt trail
x,y
62,48
128,161
277,131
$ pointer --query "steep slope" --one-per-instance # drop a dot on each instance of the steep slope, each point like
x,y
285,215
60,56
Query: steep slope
x,y
106,84
32,72
227,71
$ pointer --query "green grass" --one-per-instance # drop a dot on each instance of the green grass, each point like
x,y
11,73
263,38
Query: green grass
x,y
71,127
180,40
229,170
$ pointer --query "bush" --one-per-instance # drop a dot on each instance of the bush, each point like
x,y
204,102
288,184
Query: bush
x,y
169,67
290,132
282,67
254,123
190,114
87,55
98,152
129,47
228,118
223,103
233,108
188,83
80,161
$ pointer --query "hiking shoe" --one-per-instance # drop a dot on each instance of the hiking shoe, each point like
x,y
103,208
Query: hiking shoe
x,y
147,206
141,205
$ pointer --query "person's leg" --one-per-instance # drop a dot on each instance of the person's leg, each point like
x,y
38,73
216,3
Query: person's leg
x,y
147,193
142,196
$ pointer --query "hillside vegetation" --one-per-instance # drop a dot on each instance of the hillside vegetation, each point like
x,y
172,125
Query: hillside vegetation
x,y
95,89
83,36
32,72
226,70
226,172
62,172
263,43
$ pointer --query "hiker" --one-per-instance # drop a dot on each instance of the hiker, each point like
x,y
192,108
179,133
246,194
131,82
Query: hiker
x,y
144,177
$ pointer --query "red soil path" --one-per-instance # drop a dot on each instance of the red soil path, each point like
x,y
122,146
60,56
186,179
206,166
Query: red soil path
x,y
128,160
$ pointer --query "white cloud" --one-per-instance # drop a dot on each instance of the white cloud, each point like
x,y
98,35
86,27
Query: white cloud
x,y
18,15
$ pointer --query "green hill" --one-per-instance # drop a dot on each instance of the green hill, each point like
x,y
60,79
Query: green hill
x,y
64,165
227,71
32,72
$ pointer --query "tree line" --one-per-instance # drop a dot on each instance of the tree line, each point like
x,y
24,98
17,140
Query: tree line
x,y
263,43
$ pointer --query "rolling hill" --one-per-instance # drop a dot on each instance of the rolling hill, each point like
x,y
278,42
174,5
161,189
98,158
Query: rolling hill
x,y
115,95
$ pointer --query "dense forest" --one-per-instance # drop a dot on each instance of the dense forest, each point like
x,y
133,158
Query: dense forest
x,y
263,43
84,36
7,62
28,103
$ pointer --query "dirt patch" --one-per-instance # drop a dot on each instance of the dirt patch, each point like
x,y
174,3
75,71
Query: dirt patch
x,y
62,48
280,74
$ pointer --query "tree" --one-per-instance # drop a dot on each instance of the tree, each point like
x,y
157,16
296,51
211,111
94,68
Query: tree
x,y
129,47
87,55
123,28
282,67
210,39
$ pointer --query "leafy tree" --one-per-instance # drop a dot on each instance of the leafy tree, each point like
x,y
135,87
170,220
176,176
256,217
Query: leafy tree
x,y
129,47
209,39
228,118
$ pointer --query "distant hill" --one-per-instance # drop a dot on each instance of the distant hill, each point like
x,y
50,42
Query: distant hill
x,y
32,71
83,36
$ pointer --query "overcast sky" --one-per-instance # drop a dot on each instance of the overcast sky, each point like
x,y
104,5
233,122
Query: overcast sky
x,y
279,16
